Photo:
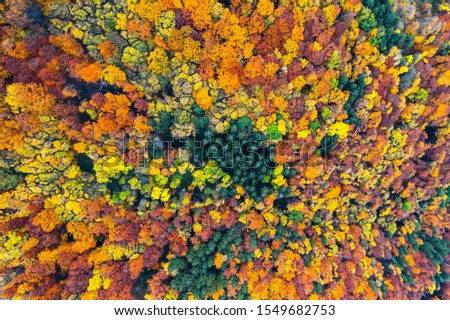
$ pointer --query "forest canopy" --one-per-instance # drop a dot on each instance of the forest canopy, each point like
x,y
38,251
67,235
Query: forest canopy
x,y
211,149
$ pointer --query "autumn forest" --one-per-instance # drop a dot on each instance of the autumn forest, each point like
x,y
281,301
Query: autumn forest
x,y
224,149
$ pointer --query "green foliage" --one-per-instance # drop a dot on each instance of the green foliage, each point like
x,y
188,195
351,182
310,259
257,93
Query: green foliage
x,y
407,277
10,180
356,91
436,249
120,197
328,144
296,216
420,96
444,49
334,83
406,206
335,61
318,287
196,272
162,125
326,113
85,163
132,57
314,125
240,153
273,133
366,19
244,123
200,120
165,85
380,14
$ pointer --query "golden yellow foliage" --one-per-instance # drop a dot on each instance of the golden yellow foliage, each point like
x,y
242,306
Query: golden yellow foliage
x,y
113,74
158,62
203,99
265,7
47,220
